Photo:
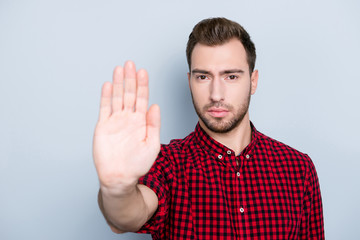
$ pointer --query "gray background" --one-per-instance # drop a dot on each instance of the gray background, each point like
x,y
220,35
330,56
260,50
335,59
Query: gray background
x,y
55,55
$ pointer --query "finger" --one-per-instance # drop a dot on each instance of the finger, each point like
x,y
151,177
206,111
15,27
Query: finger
x,y
142,95
153,124
105,101
130,86
118,89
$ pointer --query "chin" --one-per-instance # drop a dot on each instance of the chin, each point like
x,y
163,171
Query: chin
x,y
220,126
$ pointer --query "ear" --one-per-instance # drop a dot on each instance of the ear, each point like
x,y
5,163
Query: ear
x,y
188,75
254,81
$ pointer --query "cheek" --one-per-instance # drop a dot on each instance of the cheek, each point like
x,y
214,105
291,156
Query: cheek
x,y
200,94
238,94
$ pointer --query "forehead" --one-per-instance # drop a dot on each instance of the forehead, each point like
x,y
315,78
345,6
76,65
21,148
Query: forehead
x,y
231,54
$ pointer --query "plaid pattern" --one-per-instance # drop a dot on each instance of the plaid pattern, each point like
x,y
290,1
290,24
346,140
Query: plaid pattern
x,y
272,193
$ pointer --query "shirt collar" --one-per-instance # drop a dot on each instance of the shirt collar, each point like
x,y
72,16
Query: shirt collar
x,y
214,147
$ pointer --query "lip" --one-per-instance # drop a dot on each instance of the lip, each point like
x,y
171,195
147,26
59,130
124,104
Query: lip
x,y
217,112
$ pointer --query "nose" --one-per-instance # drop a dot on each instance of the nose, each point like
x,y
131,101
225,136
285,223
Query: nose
x,y
217,90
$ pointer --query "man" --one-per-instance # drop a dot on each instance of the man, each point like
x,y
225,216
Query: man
x,y
225,180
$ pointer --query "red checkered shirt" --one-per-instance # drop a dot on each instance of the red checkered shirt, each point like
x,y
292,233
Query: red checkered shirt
x,y
272,193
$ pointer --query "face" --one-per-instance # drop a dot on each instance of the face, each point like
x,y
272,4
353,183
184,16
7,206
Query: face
x,y
221,85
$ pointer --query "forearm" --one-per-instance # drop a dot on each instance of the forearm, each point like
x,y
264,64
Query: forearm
x,y
127,212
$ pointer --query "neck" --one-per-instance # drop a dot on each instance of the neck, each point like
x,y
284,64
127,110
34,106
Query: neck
x,y
237,139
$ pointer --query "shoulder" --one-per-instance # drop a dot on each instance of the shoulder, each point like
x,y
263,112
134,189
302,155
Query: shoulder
x,y
178,146
282,153
275,147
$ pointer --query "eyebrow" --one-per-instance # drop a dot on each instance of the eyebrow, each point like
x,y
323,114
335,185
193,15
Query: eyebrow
x,y
221,73
199,71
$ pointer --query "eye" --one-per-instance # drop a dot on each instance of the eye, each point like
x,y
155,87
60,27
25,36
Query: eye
x,y
232,77
201,77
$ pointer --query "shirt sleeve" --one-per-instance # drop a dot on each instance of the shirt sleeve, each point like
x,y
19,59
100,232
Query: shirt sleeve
x,y
312,222
156,179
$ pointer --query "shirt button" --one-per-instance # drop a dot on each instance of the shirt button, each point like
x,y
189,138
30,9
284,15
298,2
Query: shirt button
x,y
247,156
238,174
219,156
228,152
241,210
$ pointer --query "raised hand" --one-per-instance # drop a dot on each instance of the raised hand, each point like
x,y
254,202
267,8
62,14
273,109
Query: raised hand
x,y
127,135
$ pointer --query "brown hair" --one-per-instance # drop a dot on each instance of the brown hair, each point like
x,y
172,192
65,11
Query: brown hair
x,y
217,31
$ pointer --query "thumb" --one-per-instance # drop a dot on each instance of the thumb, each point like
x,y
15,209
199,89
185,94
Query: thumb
x,y
153,123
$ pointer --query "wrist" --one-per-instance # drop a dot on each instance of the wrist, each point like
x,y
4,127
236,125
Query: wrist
x,y
119,189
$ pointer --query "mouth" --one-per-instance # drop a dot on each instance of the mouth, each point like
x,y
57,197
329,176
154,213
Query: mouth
x,y
217,112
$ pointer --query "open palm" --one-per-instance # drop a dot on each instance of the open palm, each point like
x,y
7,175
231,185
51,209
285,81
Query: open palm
x,y
127,135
